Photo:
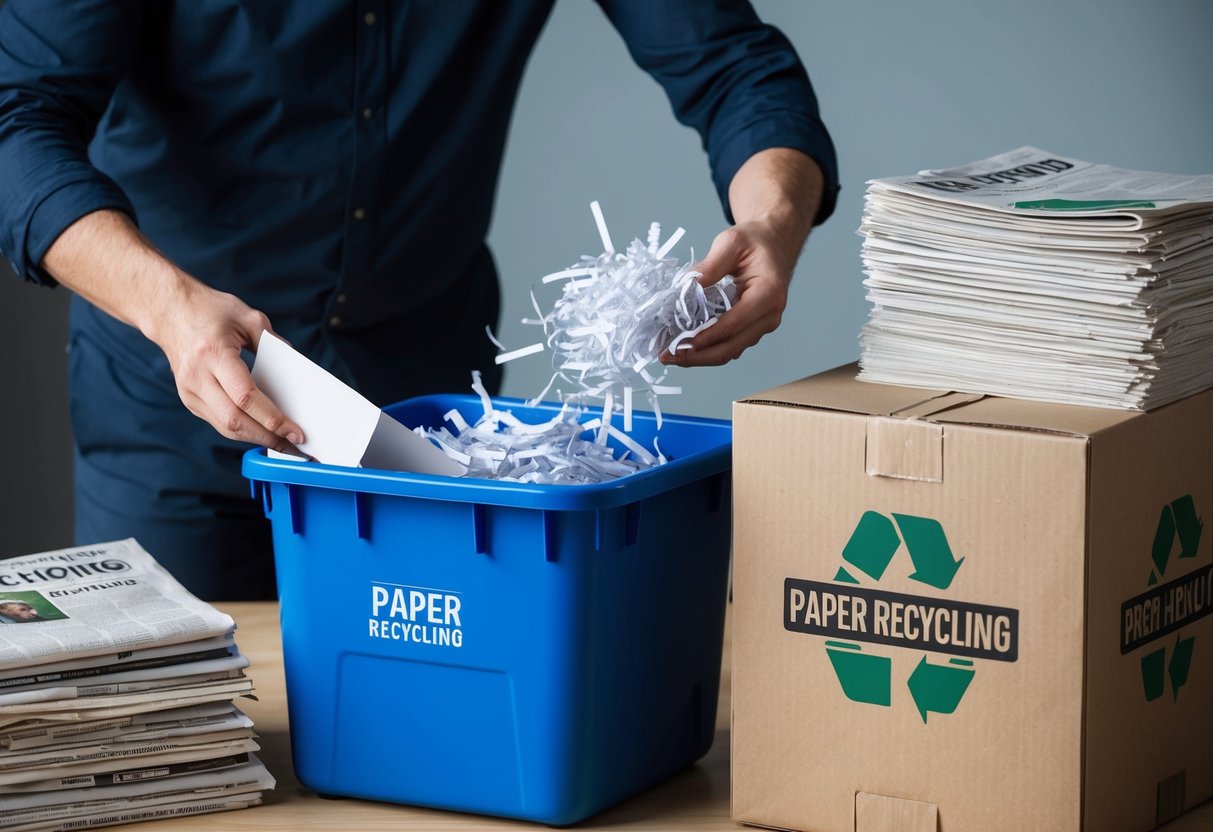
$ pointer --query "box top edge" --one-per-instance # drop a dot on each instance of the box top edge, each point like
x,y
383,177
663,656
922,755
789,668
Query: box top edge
x,y
839,390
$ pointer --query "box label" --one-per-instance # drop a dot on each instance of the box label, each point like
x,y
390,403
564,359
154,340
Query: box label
x,y
415,614
957,628
1169,607
1165,609
844,610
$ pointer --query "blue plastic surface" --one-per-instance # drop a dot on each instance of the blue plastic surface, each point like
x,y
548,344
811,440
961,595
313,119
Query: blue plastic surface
x,y
529,651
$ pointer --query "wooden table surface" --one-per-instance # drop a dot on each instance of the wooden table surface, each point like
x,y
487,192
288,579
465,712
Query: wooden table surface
x,y
697,799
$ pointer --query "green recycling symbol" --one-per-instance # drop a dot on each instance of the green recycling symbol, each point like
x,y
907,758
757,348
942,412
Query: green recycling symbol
x,y
867,677
1178,523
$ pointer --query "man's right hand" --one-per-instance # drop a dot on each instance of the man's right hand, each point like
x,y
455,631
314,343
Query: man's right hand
x,y
105,259
202,337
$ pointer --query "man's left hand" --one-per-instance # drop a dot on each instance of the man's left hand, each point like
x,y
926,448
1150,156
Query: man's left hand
x,y
774,196
762,269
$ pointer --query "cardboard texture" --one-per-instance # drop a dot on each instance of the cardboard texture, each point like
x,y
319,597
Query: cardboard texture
x,y
990,615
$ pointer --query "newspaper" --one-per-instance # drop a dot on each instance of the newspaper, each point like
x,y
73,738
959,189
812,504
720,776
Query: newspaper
x,y
199,718
196,806
89,667
251,776
33,704
42,758
137,772
114,682
22,716
1036,275
118,759
116,695
1029,182
95,600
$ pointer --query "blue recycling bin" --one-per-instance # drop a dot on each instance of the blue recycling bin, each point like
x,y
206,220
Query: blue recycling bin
x,y
529,651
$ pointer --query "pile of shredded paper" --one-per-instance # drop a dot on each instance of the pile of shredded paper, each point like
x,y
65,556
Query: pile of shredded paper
x,y
618,312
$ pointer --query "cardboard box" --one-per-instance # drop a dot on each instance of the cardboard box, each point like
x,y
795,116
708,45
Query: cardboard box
x,y
969,614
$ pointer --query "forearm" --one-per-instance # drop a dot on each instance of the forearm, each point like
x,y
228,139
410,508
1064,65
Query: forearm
x,y
202,331
106,260
782,189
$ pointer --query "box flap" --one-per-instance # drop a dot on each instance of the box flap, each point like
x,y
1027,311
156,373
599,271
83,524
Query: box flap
x,y
995,411
840,390
880,813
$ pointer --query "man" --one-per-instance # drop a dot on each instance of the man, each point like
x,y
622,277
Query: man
x,y
17,612
197,169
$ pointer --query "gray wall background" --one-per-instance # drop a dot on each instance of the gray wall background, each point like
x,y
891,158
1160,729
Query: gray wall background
x,y
902,86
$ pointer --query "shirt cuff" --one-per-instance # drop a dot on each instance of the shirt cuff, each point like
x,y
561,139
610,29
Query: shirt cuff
x,y
807,134
58,210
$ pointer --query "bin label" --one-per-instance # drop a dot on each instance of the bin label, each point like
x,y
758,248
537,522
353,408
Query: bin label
x,y
415,614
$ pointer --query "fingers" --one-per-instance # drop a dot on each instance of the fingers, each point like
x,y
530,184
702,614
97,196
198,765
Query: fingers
x,y
204,346
757,312
723,258
222,392
239,388
212,403
724,351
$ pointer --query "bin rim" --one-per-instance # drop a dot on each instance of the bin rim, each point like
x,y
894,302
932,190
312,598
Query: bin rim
x,y
259,468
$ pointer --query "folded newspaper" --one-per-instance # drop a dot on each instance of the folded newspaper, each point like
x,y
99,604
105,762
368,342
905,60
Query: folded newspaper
x,y
1034,275
117,691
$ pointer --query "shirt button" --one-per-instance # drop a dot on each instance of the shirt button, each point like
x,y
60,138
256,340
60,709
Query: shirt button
x,y
359,214
370,18
341,298
335,321
367,113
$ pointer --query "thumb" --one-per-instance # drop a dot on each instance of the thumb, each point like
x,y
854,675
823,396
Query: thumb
x,y
722,258
256,324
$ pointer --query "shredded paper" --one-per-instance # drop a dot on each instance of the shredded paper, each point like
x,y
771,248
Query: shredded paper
x,y
616,315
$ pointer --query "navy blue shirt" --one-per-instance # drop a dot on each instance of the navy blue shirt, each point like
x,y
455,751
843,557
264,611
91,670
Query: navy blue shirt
x,y
333,163
330,162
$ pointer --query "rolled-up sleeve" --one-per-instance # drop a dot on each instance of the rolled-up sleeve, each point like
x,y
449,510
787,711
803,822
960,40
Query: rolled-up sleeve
x,y
734,79
59,64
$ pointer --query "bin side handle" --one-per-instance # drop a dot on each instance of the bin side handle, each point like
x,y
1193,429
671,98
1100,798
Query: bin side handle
x,y
550,539
362,515
480,529
263,493
294,507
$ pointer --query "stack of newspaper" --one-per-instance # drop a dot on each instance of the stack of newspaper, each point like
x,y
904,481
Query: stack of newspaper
x,y
1033,275
116,695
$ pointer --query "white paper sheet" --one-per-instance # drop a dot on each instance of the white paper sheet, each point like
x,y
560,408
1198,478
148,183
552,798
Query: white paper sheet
x,y
342,427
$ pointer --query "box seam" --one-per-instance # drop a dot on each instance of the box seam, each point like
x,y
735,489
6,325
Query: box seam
x,y
1086,643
